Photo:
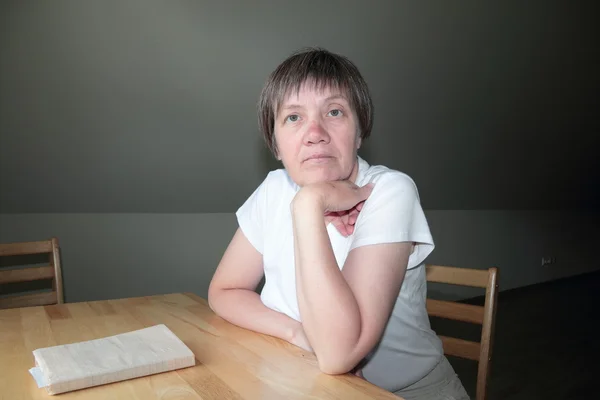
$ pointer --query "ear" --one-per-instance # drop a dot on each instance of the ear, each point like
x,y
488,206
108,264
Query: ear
x,y
358,143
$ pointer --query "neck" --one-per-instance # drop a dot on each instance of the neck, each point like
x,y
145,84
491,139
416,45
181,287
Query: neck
x,y
354,173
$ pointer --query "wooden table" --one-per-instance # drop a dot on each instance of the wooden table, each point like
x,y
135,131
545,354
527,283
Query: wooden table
x,y
231,362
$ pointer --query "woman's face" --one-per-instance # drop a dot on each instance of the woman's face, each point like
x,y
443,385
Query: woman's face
x,y
316,136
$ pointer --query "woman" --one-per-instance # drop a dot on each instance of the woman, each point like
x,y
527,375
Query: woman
x,y
340,243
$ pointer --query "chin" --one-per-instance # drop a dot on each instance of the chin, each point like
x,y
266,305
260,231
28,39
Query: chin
x,y
307,178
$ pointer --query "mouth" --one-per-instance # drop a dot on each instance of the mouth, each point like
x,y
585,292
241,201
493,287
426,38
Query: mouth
x,y
318,157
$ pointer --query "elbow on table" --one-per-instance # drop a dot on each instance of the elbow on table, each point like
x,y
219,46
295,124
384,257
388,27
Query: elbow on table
x,y
211,306
212,298
340,355
335,365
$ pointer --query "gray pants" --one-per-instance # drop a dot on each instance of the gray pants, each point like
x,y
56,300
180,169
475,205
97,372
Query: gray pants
x,y
441,383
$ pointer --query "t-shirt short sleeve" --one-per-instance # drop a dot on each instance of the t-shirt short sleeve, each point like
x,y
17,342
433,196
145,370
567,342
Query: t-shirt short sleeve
x,y
393,213
251,216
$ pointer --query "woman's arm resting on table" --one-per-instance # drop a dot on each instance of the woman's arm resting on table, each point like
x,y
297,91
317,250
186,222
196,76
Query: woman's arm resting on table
x,y
344,312
232,296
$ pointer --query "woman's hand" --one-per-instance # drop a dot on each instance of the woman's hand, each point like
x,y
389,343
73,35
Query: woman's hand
x,y
340,202
344,220
339,196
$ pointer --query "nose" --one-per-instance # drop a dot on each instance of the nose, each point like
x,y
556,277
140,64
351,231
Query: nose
x,y
316,133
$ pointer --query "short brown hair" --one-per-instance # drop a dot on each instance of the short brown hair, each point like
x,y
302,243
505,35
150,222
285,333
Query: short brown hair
x,y
325,69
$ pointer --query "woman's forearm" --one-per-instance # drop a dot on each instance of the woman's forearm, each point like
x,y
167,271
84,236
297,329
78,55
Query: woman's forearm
x,y
244,308
330,314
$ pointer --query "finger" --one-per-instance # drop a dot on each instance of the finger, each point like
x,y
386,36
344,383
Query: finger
x,y
350,220
359,206
348,224
345,218
332,215
340,226
341,196
353,216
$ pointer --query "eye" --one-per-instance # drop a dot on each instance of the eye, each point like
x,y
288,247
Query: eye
x,y
335,113
292,118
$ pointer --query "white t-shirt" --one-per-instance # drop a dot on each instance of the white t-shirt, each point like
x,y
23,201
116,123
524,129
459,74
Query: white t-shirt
x,y
409,349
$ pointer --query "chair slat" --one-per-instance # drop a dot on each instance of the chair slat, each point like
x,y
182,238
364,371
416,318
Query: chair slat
x,y
457,276
29,274
461,348
485,316
26,274
455,311
18,249
29,300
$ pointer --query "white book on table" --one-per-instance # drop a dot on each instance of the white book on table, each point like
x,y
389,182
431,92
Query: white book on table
x,y
75,366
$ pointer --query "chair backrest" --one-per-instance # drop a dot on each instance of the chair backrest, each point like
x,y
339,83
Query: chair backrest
x,y
483,315
14,275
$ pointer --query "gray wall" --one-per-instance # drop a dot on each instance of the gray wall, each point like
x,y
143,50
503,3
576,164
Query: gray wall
x,y
128,129
148,106
109,256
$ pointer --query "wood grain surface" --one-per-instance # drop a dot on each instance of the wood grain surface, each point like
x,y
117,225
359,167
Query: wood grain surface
x,y
231,362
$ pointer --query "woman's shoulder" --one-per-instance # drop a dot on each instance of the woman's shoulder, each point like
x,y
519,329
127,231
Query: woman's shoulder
x,y
389,179
271,194
276,187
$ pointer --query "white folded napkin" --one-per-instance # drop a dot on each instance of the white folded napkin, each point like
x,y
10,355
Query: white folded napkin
x,y
111,359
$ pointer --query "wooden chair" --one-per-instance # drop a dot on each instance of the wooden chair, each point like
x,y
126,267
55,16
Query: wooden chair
x,y
51,271
483,315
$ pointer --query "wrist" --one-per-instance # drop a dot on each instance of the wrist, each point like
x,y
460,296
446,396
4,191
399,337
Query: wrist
x,y
308,199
